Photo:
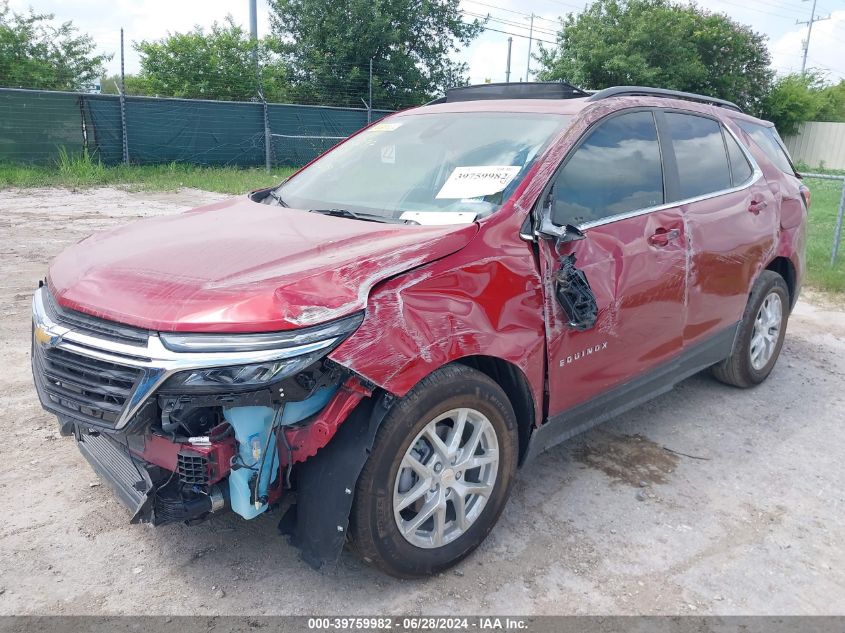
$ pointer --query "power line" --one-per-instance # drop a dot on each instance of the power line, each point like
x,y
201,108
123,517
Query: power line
x,y
493,6
487,28
751,8
508,23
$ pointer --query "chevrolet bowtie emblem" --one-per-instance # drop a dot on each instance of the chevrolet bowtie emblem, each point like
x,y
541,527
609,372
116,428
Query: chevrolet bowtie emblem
x,y
43,336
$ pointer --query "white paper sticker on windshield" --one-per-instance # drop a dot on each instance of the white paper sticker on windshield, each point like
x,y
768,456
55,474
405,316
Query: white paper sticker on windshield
x,y
472,182
385,127
435,218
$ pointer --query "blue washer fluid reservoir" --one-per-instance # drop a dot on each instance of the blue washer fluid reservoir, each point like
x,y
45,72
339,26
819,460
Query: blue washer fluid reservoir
x,y
252,425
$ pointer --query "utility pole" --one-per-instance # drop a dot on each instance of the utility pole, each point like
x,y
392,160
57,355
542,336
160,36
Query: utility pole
x,y
370,104
809,24
253,32
123,104
530,39
268,135
508,68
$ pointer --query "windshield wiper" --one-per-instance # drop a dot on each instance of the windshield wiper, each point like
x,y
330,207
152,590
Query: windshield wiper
x,y
358,215
277,198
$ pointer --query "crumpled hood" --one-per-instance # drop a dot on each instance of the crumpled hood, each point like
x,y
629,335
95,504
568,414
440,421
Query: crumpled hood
x,y
240,266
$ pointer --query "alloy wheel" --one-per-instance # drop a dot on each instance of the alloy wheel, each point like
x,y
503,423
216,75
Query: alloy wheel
x,y
445,478
766,332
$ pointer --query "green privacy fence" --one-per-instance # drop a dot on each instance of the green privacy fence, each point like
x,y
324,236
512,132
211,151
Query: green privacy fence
x,y
35,124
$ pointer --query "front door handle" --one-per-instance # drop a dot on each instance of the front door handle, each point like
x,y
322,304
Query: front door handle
x,y
757,205
662,236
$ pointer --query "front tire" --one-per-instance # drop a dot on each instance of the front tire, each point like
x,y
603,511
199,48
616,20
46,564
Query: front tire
x,y
760,336
438,476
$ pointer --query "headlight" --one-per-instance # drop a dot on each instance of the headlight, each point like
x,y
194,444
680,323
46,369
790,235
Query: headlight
x,y
238,377
292,343
296,351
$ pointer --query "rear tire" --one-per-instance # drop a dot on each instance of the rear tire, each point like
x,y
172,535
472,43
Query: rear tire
x,y
760,335
422,505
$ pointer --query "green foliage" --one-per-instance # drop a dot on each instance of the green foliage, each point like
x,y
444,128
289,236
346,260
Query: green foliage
x,y
214,65
135,85
797,98
794,99
79,168
327,46
36,54
833,103
822,222
87,172
662,44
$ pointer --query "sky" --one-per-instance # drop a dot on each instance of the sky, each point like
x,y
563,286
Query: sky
x,y
487,55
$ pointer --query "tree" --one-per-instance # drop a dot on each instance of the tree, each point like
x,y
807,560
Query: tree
x,y
797,98
214,65
36,54
794,99
135,85
662,44
327,46
833,106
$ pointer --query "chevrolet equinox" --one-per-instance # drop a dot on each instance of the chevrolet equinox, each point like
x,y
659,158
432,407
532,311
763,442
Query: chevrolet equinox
x,y
374,346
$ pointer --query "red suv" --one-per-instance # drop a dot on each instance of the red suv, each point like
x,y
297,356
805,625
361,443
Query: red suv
x,y
376,344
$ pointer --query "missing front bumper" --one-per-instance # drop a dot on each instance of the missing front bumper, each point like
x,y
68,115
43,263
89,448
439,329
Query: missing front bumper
x,y
147,501
113,464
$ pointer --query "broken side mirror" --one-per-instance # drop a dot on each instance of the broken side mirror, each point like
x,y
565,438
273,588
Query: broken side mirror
x,y
572,290
575,296
561,234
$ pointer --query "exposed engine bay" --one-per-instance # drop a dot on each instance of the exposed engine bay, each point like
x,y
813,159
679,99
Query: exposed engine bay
x,y
183,426
204,453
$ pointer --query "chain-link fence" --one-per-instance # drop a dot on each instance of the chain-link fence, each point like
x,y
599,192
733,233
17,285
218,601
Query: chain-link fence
x,y
35,126
218,117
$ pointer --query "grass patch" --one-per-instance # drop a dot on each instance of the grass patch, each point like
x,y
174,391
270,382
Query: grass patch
x,y
82,171
825,203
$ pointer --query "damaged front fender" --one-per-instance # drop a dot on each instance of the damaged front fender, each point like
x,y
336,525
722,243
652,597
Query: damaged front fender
x,y
318,523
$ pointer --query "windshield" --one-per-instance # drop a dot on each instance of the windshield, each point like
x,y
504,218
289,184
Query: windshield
x,y
426,168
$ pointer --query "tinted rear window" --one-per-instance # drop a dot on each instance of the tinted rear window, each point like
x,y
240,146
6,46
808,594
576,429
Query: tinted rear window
x,y
768,141
700,154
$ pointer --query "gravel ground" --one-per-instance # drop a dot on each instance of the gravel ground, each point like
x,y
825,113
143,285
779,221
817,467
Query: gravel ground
x,y
708,500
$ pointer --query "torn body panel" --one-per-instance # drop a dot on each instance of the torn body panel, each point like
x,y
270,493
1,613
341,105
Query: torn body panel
x,y
484,300
639,289
728,248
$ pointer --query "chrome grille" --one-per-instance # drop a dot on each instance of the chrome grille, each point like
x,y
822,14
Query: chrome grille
x,y
81,387
94,326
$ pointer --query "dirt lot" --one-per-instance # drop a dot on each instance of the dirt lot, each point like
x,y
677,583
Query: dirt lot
x,y
706,500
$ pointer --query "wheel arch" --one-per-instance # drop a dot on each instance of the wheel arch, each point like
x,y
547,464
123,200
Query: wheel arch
x,y
786,269
515,384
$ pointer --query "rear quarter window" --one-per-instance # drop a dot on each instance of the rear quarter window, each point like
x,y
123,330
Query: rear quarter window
x,y
767,139
741,169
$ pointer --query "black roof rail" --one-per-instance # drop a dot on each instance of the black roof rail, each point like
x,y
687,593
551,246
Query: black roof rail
x,y
644,91
521,90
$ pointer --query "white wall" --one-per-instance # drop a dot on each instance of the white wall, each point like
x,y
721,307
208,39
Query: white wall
x,y
818,142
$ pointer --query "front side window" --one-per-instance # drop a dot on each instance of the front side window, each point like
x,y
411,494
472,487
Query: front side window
x,y
466,162
617,169
699,153
768,140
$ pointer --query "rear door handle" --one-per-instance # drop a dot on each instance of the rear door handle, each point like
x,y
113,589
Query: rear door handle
x,y
662,236
757,205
